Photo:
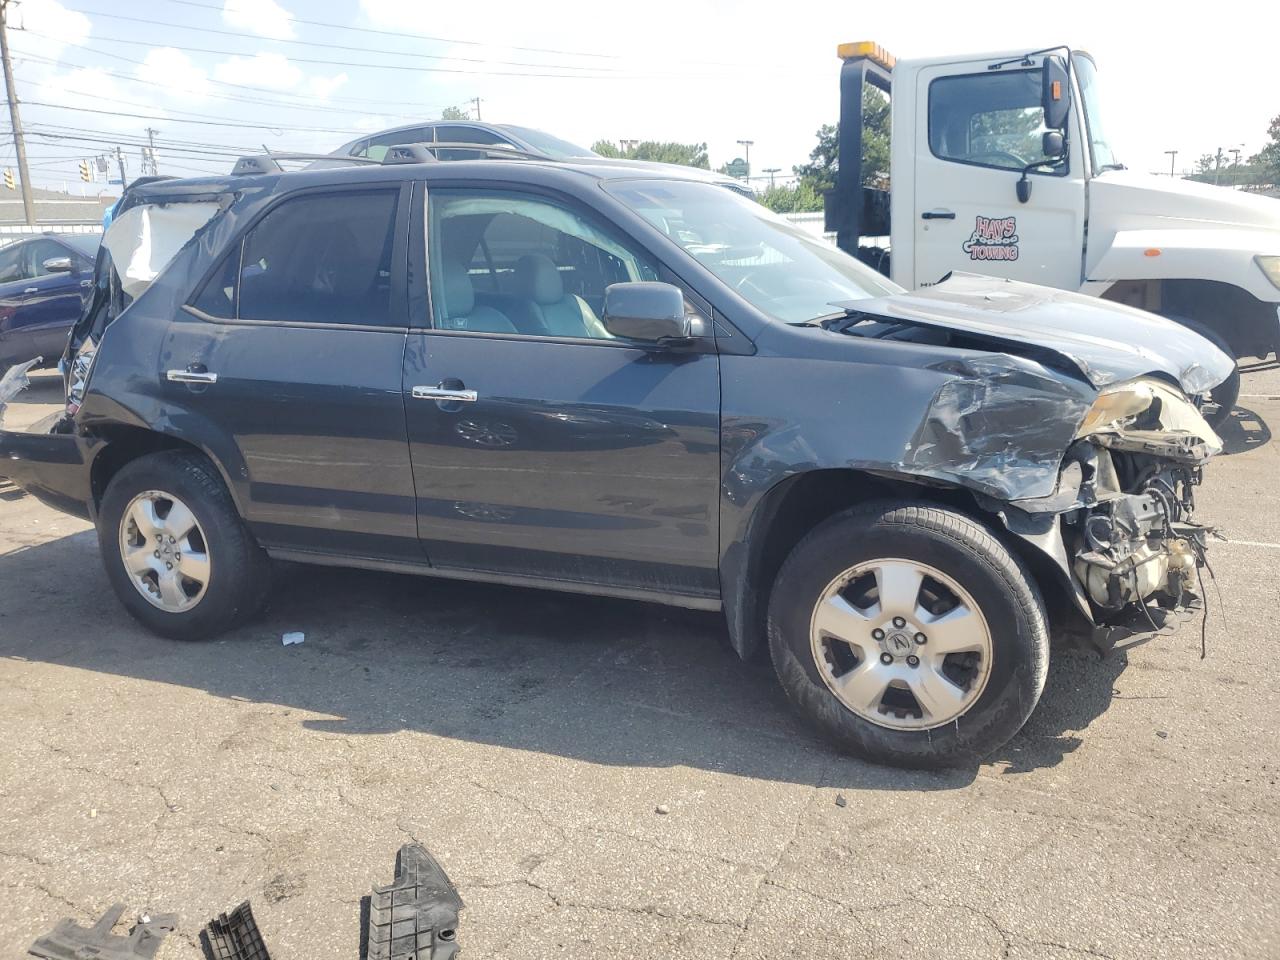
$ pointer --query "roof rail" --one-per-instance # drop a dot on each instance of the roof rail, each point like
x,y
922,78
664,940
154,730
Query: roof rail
x,y
425,152
268,162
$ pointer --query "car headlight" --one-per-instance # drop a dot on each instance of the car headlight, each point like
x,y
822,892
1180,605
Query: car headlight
x,y
1121,402
1271,267
1126,409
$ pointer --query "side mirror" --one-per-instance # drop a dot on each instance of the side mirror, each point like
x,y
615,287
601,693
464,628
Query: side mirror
x,y
1056,93
57,265
1053,144
645,310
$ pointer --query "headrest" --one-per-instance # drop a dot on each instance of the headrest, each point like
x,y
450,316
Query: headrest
x,y
538,279
459,294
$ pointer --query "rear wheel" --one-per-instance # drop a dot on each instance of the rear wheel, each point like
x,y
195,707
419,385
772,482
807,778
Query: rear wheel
x,y
909,635
176,551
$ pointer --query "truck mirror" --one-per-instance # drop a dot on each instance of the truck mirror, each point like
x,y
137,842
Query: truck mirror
x,y
1056,96
1053,145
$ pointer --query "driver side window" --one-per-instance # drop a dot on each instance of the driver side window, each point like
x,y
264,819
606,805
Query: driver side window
x,y
513,263
988,119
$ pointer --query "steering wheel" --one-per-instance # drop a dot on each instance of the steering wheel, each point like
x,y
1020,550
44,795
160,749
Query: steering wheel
x,y
1017,161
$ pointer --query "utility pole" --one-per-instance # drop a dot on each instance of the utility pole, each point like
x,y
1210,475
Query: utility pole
x,y
19,144
771,171
746,145
1173,157
151,139
476,101
120,160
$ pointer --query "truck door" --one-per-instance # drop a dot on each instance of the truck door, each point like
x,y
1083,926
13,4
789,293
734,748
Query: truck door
x,y
976,129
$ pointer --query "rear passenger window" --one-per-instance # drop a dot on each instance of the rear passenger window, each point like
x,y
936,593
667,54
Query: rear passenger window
x,y
321,258
218,296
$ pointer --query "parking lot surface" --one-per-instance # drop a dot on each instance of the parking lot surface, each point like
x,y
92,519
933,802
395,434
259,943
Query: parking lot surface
x,y
530,741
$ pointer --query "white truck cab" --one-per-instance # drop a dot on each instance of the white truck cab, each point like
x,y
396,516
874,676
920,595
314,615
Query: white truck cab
x,y
1002,164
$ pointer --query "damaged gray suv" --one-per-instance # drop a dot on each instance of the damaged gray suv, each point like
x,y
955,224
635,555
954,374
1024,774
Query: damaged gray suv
x,y
614,381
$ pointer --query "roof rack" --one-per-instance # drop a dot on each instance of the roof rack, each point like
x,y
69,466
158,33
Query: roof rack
x,y
269,162
400,153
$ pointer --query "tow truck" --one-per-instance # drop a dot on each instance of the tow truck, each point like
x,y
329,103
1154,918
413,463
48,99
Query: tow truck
x,y
1002,164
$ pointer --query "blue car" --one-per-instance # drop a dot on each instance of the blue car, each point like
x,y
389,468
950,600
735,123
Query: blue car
x,y
44,282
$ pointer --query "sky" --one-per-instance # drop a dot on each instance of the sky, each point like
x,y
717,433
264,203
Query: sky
x,y
217,78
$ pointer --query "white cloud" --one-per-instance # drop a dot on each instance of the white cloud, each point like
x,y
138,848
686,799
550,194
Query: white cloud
x,y
270,70
173,72
322,88
58,28
266,18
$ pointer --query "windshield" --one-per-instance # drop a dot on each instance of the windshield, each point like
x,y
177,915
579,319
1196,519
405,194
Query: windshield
x,y
1104,155
86,243
553,147
777,267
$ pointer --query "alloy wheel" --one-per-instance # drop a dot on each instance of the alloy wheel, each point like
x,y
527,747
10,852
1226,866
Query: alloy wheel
x,y
901,644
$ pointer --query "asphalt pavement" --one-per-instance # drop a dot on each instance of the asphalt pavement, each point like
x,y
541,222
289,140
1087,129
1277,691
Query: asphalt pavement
x,y
606,779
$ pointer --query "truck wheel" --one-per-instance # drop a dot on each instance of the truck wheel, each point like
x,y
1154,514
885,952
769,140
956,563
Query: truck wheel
x,y
909,635
176,551
1221,400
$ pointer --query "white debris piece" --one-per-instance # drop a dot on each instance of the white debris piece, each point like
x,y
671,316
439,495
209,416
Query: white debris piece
x,y
290,638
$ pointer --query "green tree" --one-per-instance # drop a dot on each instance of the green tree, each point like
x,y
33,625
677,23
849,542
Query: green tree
x,y
686,154
819,174
454,113
1266,162
796,198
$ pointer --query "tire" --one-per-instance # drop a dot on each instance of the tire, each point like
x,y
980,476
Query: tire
x,y
999,685
231,584
1221,400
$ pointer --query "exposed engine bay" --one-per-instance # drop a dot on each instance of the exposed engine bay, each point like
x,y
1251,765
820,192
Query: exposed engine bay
x,y
1132,538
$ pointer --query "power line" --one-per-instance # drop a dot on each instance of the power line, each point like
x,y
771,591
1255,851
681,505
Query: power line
x,y
256,100
235,86
413,36
203,123
331,46
414,68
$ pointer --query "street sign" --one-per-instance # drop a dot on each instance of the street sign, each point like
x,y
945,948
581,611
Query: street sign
x,y
117,181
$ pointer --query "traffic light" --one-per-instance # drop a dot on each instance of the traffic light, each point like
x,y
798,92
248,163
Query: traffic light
x,y
9,180
85,173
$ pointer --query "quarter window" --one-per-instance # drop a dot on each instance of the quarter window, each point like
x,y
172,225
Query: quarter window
x,y
513,263
988,119
320,258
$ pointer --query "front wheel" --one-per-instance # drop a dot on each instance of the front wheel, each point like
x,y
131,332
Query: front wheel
x,y
909,635
176,551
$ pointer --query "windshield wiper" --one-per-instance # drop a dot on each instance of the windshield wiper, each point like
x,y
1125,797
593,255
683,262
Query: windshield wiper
x,y
1111,166
837,321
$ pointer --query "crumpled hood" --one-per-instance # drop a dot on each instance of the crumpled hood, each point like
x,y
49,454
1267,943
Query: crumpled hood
x,y
1107,342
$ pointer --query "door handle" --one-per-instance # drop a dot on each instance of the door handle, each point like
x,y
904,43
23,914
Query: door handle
x,y
191,376
444,393
937,215
31,290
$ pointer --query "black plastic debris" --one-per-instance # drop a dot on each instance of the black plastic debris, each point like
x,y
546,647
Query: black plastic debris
x,y
234,936
70,941
416,916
